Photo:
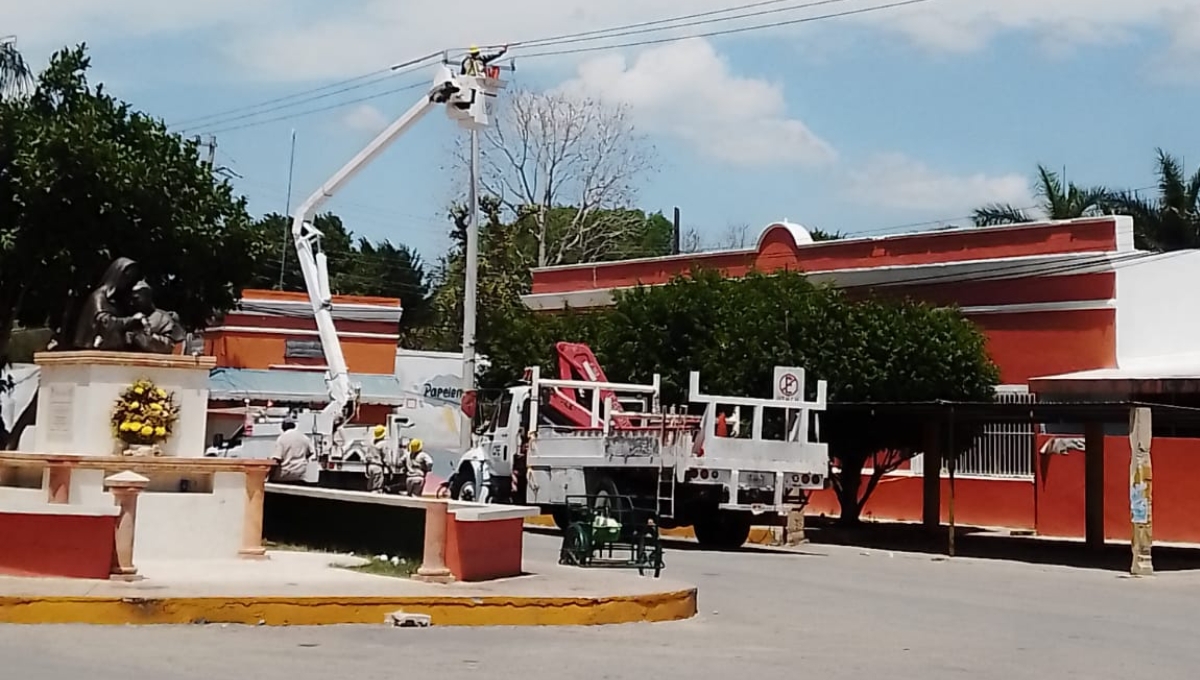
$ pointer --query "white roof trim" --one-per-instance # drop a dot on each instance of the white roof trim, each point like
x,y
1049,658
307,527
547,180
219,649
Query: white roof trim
x,y
895,275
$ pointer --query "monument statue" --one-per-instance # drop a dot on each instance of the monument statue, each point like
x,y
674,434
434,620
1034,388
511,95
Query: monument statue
x,y
120,316
161,330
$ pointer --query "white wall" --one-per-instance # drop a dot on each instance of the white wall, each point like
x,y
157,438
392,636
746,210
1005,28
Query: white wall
x,y
1158,312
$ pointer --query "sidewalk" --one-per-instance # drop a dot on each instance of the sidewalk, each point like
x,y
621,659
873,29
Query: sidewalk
x,y
295,588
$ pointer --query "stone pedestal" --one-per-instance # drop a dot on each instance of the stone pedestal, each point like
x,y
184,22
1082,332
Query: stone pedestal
x,y
125,488
78,391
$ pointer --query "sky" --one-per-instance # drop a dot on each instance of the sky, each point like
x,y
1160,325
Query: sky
x,y
873,123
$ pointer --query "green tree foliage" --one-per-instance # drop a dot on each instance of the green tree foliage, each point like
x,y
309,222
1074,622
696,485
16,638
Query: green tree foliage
x,y
356,266
1058,202
84,178
1170,221
508,250
737,331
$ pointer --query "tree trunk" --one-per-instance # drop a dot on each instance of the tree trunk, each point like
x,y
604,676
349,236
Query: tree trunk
x,y
541,239
849,483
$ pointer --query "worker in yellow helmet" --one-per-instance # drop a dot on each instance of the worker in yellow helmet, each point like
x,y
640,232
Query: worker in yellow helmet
x,y
416,465
475,63
373,459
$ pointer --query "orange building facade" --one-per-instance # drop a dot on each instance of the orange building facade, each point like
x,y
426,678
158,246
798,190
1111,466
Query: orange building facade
x,y
268,351
1068,308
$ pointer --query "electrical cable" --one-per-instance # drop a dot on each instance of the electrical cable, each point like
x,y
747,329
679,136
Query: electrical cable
x,y
391,70
646,26
729,31
222,118
309,112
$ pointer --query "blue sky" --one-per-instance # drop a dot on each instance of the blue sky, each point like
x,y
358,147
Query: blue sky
x,y
865,124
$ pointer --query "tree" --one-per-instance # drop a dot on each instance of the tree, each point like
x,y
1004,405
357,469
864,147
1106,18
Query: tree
x,y
1171,221
1057,203
736,331
15,75
567,168
84,178
356,266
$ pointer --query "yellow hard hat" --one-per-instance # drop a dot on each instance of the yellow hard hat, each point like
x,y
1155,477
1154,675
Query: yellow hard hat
x,y
415,446
380,432
474,49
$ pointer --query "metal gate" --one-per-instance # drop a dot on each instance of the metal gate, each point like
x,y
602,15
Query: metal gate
x,y
1002,450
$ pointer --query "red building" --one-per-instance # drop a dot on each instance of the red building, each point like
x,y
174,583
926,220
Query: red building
x,y
268,350
1068,308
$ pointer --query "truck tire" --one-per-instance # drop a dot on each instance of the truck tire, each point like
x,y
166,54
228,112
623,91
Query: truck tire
x,y
722,530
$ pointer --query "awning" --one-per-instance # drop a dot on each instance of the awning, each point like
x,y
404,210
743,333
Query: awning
x,y
237,384
1170,374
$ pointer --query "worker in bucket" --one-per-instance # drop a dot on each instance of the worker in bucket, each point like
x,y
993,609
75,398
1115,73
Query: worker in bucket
x,y
416,464
475,63
373,460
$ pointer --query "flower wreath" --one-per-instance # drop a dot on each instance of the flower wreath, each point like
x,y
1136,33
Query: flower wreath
x,y
144,414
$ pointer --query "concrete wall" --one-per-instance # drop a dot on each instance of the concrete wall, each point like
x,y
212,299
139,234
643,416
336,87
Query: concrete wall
x,y
1156,313
1052,504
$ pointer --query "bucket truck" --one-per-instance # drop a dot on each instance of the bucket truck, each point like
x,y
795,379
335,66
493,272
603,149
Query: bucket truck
x,y
465,99
581,434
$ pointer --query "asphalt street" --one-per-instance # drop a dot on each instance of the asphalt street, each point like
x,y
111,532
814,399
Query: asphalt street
x,y
829,612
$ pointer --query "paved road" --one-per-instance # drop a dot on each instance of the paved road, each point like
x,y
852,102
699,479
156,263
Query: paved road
x,y
832,612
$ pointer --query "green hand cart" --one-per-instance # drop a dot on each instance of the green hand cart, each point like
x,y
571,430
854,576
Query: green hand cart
x,y
611,531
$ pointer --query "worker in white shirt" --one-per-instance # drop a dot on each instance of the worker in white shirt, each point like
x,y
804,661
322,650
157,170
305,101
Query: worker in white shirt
x,y
291,454
417,465
373,460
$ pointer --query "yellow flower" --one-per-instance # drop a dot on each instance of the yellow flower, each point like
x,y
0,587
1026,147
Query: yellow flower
x,y
147,430
160,431
160,393
156,407
139,390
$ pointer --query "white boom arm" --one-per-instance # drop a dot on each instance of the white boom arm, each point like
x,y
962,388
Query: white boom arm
x,y
464,97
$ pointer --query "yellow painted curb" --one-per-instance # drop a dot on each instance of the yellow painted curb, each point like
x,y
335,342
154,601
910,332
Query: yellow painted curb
x,y
758,535
319,611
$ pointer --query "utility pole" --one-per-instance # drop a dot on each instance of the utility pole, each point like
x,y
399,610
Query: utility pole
x,y
675,234
287,211
469,290
212,151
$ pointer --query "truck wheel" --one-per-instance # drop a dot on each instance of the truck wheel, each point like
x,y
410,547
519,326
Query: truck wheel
x,y
605,490
722,530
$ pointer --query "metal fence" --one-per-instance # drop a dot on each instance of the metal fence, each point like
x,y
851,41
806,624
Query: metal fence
x,y
1002,450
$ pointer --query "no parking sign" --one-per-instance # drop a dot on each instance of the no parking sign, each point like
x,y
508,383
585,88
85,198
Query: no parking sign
x,y
789,383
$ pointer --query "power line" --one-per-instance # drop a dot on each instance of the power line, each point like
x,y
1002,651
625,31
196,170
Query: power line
x,y
729,31
609,33
565,37
396,69
309,112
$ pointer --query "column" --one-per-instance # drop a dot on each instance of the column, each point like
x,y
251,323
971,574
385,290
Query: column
x,y
1141,486
1093,484
931,513
59,484
125,488
433,563
252,517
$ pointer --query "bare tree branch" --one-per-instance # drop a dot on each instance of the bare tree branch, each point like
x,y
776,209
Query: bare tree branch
x,y
549,152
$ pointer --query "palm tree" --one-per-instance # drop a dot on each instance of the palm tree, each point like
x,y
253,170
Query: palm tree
x,y
1057,202
15,75
1172,220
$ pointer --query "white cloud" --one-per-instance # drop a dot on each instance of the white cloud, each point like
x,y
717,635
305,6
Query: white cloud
x,y
49,24
962,25
897,181
365,118
313,40
687,91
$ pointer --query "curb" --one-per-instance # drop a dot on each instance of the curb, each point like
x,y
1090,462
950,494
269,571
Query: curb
x,y
758,535
324,611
